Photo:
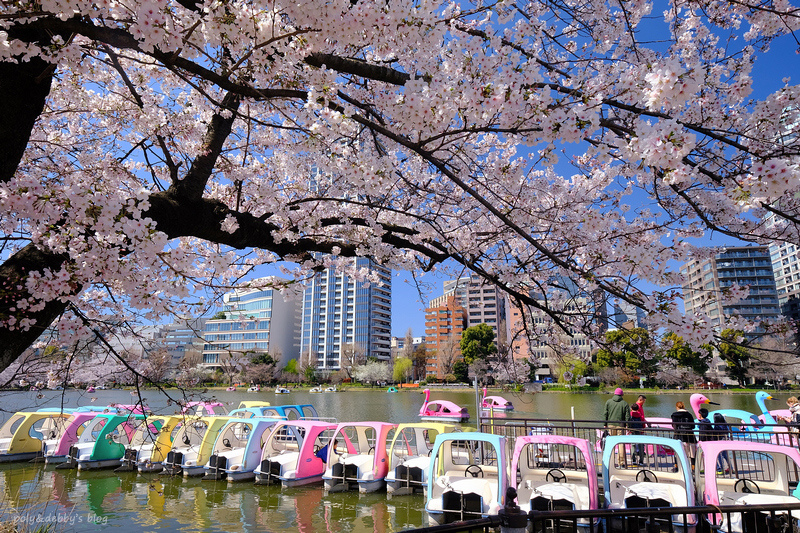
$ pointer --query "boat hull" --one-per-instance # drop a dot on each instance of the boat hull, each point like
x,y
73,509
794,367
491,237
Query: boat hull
x,y
193,471
148,467
237,475
13,457
456,419
97,464
368,487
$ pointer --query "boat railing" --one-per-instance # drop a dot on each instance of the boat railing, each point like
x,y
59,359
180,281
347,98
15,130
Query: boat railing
x,y
594,431
768,518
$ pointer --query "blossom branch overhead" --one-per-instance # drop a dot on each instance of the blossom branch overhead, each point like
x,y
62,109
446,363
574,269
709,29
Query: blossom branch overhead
x,y
158,146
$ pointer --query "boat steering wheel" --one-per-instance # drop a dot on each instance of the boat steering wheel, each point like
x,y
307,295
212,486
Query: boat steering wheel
x,y
474,471
226,443
556,476
648,476
748,486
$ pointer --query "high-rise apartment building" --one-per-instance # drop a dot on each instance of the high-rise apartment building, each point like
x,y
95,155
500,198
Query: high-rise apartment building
x,y
534,335
742,265
445,320
256,320
340,313
786,267
484,303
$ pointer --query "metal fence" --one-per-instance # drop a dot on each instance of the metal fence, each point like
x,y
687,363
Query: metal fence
x,y
593,431
774,518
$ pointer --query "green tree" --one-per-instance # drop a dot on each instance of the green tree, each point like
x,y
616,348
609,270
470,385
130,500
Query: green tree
x,y
310,374
262,358
732,348
630,350
402,369
684,355
570,368
461,372
291,367
219,315
477,342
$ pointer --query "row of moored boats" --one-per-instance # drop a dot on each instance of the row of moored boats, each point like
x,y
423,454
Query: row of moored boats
x,y
463,473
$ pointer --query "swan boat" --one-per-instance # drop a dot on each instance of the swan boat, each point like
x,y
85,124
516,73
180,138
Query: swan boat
x,y
357,457
237,449
468,477
495,403
294,453
662,477
410,456
441,410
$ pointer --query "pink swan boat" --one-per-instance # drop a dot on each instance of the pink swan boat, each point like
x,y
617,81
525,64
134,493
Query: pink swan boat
x,y
498,403
442,410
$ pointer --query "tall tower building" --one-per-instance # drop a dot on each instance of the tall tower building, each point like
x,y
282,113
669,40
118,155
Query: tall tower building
x,y
338,312
742,265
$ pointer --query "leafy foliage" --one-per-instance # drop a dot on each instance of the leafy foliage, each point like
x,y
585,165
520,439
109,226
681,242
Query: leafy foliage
x,y
630,350
477,342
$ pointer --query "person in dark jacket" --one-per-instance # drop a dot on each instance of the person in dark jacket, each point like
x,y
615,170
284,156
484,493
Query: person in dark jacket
x,y
722,432
705,431
616,414
683,426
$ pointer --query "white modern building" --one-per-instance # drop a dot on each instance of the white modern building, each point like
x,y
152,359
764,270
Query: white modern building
x,y
180,338
341,314
264,317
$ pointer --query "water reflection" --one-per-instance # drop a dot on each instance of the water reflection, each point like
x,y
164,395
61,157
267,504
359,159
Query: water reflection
x,y
159,502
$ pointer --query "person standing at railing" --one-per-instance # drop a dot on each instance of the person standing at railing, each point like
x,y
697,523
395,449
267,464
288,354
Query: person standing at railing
x,y
705,431
722,432
683,426
636,425
616,414
640,402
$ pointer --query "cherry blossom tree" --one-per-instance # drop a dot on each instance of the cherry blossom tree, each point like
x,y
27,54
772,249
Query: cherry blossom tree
x,y
153,147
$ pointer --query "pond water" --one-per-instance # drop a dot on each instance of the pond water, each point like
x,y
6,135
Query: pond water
x,y
87,500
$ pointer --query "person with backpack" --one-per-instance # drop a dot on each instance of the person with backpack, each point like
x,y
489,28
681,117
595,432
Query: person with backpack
x,y
722,432
683,426
705,431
